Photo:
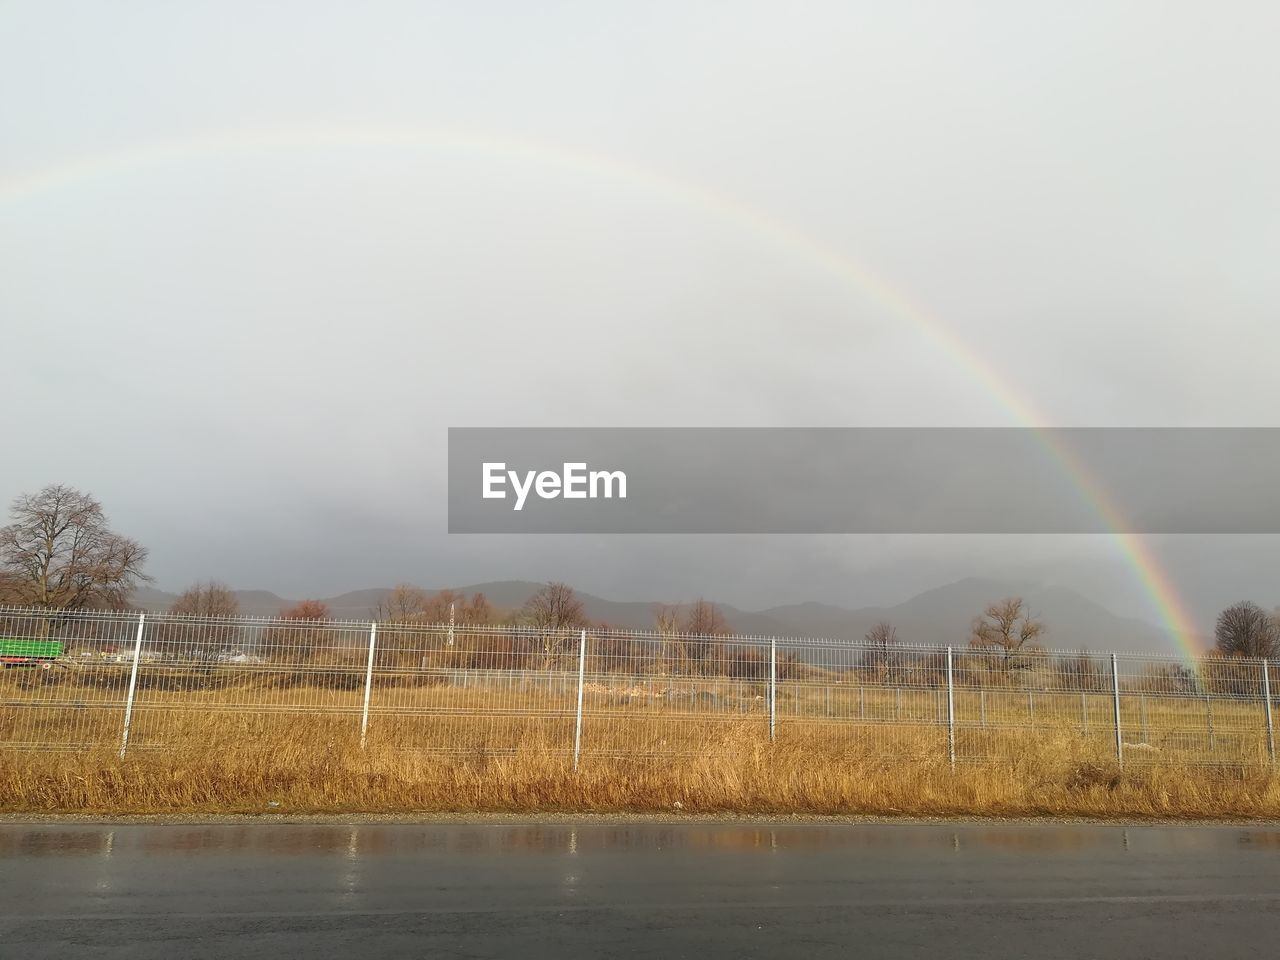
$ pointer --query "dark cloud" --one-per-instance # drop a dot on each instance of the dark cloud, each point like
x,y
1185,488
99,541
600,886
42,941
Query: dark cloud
x,y
243,303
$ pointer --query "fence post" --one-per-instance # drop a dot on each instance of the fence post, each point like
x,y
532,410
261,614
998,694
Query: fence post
x,y
1115,689
368,685
1208,716
582,672
133,686
951,712
1266,696
773,685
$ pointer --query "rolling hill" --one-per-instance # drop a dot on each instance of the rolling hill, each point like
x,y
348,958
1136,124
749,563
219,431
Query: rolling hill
x,y
938,616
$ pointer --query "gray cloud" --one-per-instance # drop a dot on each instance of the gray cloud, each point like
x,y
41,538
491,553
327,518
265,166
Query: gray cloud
x,y
251,350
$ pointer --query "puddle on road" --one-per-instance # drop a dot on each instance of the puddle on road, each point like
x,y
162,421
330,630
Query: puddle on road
x,y
294,840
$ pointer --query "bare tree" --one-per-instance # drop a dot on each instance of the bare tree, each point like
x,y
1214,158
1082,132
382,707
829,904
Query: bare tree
x,y
307,610
666,619
59,553
556,606
689,637
477,610
884,655
305,637
466,647
666,622
1246,630
407,607
404,603
1008,628
706,620
10,588
465,611
556,613
1081,672
200,639
445,605
705,624
212,599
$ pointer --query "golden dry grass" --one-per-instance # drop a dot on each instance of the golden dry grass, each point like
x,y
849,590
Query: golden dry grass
x,y
258,743
238,764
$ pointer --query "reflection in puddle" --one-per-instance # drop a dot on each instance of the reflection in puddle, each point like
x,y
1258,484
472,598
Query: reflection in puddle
x,y
351,877
1261,839
17,841
354,843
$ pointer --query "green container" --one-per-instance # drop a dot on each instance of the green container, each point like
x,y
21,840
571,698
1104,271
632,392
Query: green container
x,y
33,649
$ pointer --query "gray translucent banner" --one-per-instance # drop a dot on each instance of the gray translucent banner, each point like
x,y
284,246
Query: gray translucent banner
x,y
863,480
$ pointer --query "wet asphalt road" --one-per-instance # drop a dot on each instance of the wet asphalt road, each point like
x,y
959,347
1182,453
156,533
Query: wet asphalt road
x,y
642,890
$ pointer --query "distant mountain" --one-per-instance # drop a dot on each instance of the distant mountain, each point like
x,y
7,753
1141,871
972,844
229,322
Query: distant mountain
x,y
943,616
152,600
508,595
939,616
253,603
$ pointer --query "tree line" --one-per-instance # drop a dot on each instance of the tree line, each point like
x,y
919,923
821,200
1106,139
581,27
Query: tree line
x,y
59,552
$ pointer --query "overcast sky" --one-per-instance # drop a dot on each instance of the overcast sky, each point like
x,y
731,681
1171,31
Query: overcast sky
x,y
257,258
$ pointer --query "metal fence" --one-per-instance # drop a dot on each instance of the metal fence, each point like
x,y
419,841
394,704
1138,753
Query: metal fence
x,y
133,681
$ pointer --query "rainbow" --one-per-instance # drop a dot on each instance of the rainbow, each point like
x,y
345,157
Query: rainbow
x,y
1160,590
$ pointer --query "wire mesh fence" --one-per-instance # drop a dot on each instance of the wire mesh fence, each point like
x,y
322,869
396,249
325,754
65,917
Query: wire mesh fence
x,y
129,681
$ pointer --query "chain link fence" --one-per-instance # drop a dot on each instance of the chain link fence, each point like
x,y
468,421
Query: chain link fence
x,y
129,681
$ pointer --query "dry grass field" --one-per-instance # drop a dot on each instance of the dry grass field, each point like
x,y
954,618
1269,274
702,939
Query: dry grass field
x,y
252,764
259,742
